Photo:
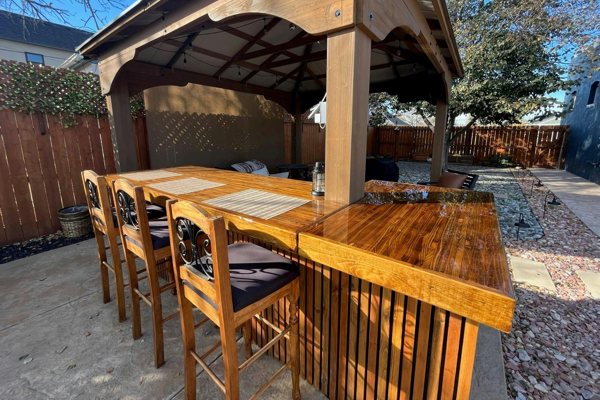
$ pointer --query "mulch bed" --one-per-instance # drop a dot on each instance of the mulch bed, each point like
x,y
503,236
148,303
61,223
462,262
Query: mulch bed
x,y
30,247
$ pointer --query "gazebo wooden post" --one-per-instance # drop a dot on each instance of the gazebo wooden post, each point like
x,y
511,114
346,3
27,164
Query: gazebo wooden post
x,y
348,72
121,127
439,140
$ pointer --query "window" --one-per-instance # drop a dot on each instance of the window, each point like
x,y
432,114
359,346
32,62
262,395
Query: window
x,y
34,58
593,90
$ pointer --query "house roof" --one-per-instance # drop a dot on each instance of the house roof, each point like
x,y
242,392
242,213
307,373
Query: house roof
x,y
19,28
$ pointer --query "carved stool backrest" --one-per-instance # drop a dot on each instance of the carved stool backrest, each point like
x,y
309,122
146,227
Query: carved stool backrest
x,y
97,194
199,256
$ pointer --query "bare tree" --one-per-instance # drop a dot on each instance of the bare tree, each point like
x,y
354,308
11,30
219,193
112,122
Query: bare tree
x,y
96,11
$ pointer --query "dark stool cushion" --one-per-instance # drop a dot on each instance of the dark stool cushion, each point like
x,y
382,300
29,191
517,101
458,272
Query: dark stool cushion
x,y
256,272
154,212
159,232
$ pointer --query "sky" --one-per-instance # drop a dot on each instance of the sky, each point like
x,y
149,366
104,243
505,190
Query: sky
x,y
75,14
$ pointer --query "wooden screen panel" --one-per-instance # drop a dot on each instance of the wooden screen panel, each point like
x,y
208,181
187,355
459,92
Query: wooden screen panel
x,y
360,341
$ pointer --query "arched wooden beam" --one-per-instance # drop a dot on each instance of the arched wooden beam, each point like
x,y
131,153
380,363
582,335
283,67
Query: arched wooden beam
x,y
380,17
141,76
315,17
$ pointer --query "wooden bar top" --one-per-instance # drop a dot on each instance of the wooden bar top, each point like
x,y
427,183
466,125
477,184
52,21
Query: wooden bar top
x,y
281,231
437,245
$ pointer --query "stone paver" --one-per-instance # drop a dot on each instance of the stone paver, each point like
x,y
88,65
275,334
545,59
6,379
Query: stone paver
x,y
580,195
591,280
531,272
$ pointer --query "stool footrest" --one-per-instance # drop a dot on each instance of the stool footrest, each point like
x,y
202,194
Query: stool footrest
x,y
264,349
171,316
210,373
269,382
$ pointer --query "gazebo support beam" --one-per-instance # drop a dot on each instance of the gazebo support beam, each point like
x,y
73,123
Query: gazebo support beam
x,y
121,127
439,140
348,65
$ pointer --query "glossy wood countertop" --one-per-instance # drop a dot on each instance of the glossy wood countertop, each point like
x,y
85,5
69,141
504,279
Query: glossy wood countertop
x,y
281,231
437,245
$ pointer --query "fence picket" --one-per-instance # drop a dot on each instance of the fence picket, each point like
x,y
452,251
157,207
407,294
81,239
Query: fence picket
x,y
40,165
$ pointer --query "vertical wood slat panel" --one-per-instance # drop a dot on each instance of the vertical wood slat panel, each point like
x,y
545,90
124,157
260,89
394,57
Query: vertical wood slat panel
x,y
384,345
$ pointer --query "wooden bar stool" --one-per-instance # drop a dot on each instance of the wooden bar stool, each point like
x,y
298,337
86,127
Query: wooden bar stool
x,y
148,240
98,195
230,285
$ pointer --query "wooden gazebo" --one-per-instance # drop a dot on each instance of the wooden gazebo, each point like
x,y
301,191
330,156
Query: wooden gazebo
x,y
291,52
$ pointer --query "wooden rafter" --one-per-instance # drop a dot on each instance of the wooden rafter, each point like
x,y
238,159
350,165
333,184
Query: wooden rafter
x,y
272,57
316,56
303,66
237,56
300,40
252,73
188,41
223,57
287,76
314,77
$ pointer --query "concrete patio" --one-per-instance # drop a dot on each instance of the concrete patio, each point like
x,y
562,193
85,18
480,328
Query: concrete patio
x,y
58,341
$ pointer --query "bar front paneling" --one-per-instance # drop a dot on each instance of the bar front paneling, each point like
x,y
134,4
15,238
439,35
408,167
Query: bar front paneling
x,y
362,341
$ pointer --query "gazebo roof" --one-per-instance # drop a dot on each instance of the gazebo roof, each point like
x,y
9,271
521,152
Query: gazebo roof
x,y
267,54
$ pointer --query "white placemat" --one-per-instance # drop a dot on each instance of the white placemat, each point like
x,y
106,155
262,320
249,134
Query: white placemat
x,y
183,186
149,175
257,203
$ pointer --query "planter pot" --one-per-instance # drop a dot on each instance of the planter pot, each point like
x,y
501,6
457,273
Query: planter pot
x,y
75,221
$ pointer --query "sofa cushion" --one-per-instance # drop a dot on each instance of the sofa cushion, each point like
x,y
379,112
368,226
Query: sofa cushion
x,y
248,166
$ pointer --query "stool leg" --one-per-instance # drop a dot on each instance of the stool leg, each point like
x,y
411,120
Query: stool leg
x,y
189,344
294,343
230,362
247,331
103,270
136,324
119,285
157,320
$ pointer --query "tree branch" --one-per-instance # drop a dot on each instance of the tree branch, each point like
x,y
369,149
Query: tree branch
x,y
461,131
425,119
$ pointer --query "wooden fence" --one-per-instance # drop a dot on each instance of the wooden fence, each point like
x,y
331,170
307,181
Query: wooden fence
x,y
40,169
531,146
313,142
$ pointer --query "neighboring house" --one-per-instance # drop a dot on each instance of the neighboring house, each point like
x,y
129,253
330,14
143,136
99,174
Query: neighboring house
x,y
583,150
31,40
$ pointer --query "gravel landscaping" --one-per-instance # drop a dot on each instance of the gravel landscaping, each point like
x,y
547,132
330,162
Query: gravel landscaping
x,y
553,351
